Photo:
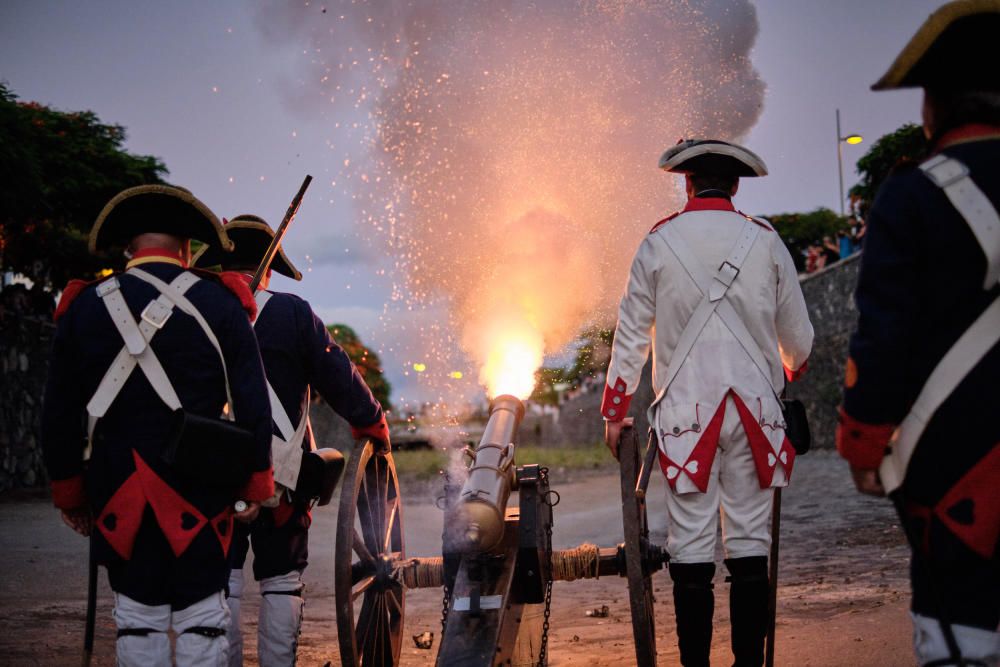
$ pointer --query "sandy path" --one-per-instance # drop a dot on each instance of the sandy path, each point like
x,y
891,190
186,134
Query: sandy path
x,y
842,600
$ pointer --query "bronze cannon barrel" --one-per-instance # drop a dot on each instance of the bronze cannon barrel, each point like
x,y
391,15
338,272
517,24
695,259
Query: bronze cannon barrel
x,y
476,523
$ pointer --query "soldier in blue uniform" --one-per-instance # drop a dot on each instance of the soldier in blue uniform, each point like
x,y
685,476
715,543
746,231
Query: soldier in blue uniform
x,y
919,419
299,356
133,352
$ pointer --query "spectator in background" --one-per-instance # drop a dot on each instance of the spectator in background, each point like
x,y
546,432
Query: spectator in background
x,y
846,246
830,250
858,234
814,258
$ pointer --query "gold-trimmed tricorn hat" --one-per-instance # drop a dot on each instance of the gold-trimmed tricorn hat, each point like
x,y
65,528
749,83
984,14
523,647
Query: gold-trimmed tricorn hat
x,y
712,156
162,208
955,49
251,236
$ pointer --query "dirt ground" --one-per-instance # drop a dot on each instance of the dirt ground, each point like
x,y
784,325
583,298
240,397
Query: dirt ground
x,y
842,599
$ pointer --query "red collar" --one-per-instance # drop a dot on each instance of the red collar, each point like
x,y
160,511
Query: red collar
x,y
708,204
147,255
967,133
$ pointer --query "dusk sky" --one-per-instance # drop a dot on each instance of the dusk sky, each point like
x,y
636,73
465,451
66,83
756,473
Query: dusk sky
x,y
211,89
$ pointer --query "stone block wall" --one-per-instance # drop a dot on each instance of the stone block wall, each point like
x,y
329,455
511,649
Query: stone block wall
x,y
829,295
25,343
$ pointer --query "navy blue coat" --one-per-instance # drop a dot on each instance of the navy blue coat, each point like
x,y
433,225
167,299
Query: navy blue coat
x,y
126,475
298,352
920,287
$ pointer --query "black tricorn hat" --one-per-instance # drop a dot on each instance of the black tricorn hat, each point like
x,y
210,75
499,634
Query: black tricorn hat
x,y
251,236
711,156
166,209
955,49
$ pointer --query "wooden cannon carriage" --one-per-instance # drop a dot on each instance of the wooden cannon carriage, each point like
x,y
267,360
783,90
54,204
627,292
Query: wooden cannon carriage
x,y
496,560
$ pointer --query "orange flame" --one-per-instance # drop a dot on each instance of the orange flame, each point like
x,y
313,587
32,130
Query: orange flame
x,y
511,362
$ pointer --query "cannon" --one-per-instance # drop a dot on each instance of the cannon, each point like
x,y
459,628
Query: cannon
x,y
497,561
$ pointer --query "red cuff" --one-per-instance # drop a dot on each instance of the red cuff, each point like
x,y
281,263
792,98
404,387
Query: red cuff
x,y
260,487
792,376
68,494
614,405
863,445
379,430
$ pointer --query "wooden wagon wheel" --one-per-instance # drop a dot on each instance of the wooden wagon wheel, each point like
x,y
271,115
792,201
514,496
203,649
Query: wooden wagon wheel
x,y
640,586
369,548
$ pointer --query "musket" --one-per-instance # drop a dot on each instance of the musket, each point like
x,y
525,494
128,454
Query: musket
x,y
272,249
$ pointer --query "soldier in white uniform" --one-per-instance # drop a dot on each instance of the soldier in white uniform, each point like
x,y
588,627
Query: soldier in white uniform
x,y
715,294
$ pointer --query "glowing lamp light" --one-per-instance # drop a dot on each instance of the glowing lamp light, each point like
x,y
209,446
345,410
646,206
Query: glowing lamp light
x,y
420,368
455,375
853,139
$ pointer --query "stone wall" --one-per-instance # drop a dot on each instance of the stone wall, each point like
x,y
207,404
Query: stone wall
x,y
829,295
24,360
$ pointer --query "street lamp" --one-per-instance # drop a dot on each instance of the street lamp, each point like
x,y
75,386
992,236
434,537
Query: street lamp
x,y
852,139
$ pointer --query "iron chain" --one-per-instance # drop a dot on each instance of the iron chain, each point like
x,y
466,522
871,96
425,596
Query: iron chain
x,y
445,603
543,649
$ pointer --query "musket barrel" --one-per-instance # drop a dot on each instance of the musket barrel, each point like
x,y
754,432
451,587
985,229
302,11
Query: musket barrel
x,y
477,523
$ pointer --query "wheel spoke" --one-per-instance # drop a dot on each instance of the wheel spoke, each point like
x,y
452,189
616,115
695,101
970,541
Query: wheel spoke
x,y
390,525
384,499
394,595
363,630
362,550
385,645
360,570
361,587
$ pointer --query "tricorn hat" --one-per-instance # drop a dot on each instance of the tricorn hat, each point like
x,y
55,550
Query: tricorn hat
x,y
156,208
711,156
252,236
955,49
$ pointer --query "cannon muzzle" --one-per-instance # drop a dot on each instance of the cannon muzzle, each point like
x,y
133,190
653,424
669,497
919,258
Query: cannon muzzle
x,y
477,521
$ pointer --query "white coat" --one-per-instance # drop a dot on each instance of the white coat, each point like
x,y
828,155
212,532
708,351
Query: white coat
x,y
658,302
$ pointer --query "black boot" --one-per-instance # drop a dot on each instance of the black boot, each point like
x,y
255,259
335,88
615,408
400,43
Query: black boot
x,y
694,605
748,594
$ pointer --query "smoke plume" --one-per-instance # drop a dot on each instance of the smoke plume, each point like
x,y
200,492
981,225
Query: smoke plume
x,y
504,152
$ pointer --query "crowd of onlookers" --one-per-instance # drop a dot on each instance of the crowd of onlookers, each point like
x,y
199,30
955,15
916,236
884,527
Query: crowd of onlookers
x,y
832,249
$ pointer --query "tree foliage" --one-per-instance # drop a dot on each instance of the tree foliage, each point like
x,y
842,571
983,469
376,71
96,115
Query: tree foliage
x,y
57,170
904,146
593,352
366,360
801,230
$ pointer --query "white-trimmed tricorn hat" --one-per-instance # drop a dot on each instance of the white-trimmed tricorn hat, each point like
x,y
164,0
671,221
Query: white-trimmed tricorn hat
x,y
711,156
955,49
162,208
252,236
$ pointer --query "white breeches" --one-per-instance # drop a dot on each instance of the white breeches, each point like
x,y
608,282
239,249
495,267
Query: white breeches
x,y
200,629
280,619
975,643
692,518
279,623
234,633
